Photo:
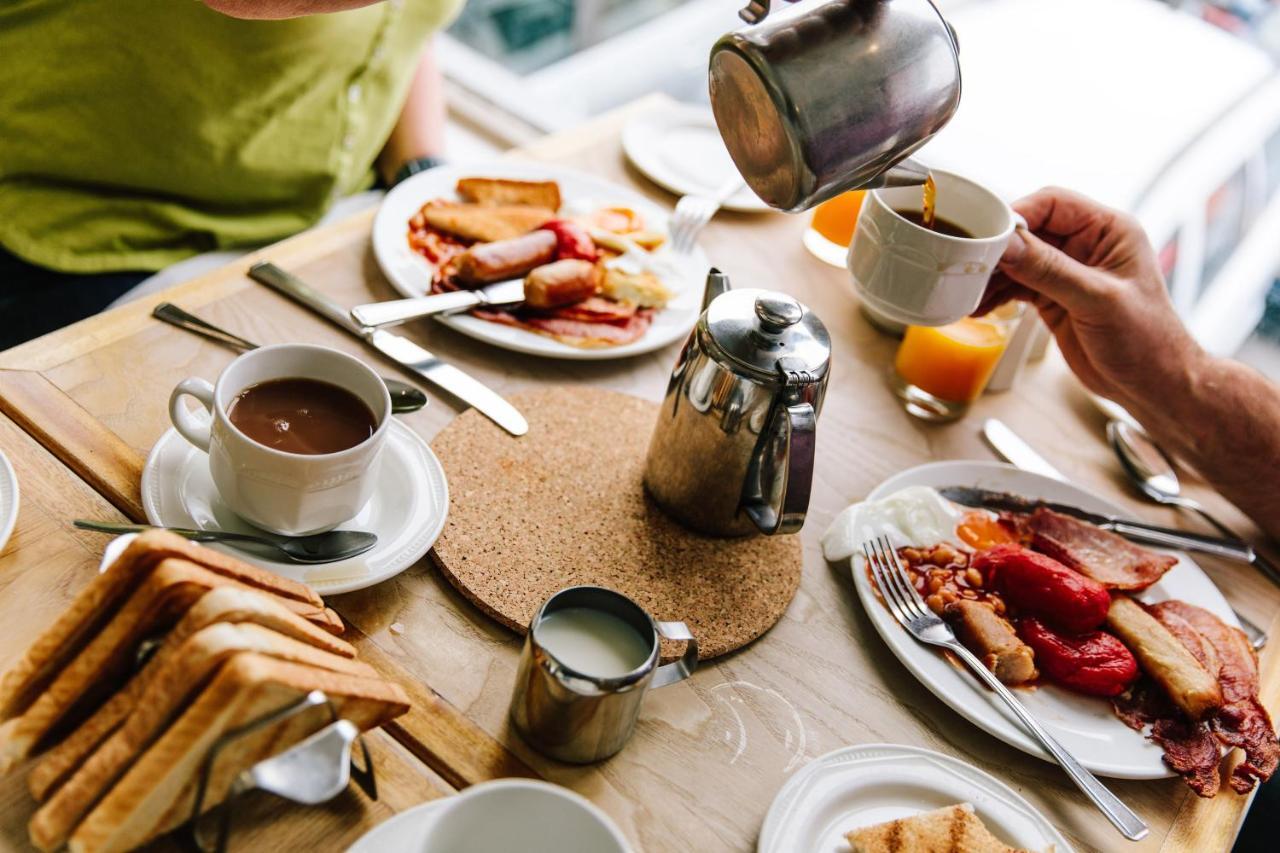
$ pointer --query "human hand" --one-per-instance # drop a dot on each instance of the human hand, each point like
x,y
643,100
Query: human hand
x,y
1092,274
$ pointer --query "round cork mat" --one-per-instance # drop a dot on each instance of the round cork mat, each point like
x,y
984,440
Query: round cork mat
x,y
564,505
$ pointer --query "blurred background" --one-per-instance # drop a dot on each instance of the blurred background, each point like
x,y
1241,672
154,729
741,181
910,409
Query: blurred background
x,y
1168,109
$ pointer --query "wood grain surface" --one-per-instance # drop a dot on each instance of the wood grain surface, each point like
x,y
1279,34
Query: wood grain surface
x,y
710,753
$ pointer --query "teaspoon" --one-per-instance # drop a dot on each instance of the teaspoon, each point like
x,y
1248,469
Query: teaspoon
x,y
1151,471
404,397
317,548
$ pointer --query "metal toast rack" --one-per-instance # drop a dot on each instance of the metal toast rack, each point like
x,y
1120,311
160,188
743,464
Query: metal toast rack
x,y
311,772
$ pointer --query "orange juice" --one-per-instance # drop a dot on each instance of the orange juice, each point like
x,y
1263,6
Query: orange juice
x,y
952,362
835,218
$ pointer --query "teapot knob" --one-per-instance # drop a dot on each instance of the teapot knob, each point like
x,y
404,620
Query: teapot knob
x,y
777,312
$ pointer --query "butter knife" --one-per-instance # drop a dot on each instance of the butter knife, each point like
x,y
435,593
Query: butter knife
x,y
399,349
401,310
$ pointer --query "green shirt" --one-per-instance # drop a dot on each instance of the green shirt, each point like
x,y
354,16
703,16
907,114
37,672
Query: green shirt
x,y
135,133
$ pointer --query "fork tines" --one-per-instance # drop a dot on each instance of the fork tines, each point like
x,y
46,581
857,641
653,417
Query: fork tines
x,y
895,585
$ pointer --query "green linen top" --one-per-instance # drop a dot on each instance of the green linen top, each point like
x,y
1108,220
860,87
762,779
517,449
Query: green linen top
x,y
136,133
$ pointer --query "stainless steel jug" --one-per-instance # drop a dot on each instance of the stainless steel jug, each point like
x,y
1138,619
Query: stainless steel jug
x,y
832,95
732,452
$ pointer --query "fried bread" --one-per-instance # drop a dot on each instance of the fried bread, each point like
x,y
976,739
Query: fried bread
x,y
505,191
485,223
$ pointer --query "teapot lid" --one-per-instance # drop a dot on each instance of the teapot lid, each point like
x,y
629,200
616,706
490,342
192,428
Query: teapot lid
x,y
756,328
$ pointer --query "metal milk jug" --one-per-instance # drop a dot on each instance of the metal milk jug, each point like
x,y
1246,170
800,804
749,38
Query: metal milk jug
x,y
732,452
832,95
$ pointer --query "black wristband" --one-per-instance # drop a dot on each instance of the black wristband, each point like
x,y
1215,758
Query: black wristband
x,y
414,166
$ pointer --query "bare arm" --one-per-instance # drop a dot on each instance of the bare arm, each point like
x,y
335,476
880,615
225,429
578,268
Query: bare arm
x,y
274,9
419,132
1093,276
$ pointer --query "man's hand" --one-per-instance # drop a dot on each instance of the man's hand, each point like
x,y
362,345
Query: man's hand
x,y
1092,274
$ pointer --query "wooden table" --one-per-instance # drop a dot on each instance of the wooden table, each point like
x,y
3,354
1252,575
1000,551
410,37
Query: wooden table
x,y
710,753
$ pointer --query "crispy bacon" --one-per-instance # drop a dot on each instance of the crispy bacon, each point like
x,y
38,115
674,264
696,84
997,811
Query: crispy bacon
x,y
1112,561
579,333
1189,749
1242,722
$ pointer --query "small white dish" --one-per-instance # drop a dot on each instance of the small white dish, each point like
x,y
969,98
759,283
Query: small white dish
x,y
407,510
8,500
410,273
679,148
864,785
1085,725
507,814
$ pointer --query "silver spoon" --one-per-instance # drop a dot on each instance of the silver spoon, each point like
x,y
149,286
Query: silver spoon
x,y
318,548
1151,471
404,397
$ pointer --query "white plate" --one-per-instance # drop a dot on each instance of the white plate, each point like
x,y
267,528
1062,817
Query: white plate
x,y
407,511
401,833
8,500
869,784
410,273
679,148
1085,725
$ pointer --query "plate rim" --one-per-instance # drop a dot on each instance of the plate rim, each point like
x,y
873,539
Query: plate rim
x,y
386,235
419,813
399,561
896,639
663,118
8,486
857,753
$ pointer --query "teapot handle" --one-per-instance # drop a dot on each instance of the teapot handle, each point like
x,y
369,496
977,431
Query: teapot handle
x,y
781,474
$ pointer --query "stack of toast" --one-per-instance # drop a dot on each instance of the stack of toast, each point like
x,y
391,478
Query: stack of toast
x,y
495,209
115,748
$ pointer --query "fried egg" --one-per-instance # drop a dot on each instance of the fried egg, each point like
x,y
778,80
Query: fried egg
x,y
916,515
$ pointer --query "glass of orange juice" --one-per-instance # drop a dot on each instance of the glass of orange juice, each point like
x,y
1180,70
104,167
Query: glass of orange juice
x,y
831,230
940,370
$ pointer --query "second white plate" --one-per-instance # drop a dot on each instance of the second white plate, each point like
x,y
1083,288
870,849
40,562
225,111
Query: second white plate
x,y
1085,725
8,500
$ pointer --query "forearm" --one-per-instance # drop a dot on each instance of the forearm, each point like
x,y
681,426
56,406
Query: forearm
x,y
276,9
1225,421
419,132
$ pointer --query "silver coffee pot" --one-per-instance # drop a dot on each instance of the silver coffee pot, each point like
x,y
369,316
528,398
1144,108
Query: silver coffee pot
x,y
832,95
732,452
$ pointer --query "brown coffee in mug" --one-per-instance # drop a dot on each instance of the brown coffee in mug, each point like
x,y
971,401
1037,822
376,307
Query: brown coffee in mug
x,y
940,225
302,416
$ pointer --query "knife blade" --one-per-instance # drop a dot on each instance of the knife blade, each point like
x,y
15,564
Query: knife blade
x,y
395,311
1138,531
1008,444
403,351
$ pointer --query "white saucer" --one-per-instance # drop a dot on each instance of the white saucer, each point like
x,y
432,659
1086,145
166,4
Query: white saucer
x,y
679,148
401,833
869,784
8,500
407,511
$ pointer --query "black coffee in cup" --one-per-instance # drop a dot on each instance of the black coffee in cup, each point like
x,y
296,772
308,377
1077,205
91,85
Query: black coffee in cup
x,y
302,416
939,226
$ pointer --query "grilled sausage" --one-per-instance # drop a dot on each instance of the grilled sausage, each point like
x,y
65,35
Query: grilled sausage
x,y
486,263
992,639
1191,687
562,283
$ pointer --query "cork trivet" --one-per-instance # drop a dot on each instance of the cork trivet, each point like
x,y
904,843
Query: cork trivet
x,y
564,505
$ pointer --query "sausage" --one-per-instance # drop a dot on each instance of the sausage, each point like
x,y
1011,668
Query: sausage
x,y
486,263
992,639
561,283
1169,663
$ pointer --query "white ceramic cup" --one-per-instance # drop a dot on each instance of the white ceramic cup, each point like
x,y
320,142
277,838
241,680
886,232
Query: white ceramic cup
x,y
289,493
525,815
910,274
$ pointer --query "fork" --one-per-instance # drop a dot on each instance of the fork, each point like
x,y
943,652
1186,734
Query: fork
x,y
909,609
693,212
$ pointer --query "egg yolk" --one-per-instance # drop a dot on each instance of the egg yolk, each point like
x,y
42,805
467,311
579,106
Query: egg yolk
x,y
980,531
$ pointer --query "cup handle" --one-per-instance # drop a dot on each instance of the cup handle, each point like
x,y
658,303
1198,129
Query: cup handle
x,y
192,427
681,669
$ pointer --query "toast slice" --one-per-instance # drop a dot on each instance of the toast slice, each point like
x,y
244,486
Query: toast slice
x,y
180,677
486,224
166,593
157,792
94,605
225,604
951,828
505,191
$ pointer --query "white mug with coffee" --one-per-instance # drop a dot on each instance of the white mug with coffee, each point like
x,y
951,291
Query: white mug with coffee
x,y
922,276
293,434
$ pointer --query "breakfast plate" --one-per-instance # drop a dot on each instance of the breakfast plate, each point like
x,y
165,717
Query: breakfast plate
x,y
1085,725
8,500
679,148
867,784
407,510
411,274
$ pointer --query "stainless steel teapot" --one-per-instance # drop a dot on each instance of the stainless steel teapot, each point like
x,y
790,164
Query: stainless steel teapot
x,y
732,452
832,95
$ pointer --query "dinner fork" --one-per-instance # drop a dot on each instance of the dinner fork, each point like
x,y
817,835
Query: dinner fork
x,y
906,605
693,212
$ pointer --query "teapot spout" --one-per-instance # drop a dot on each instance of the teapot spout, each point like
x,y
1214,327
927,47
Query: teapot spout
x,y
717,283
908,173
